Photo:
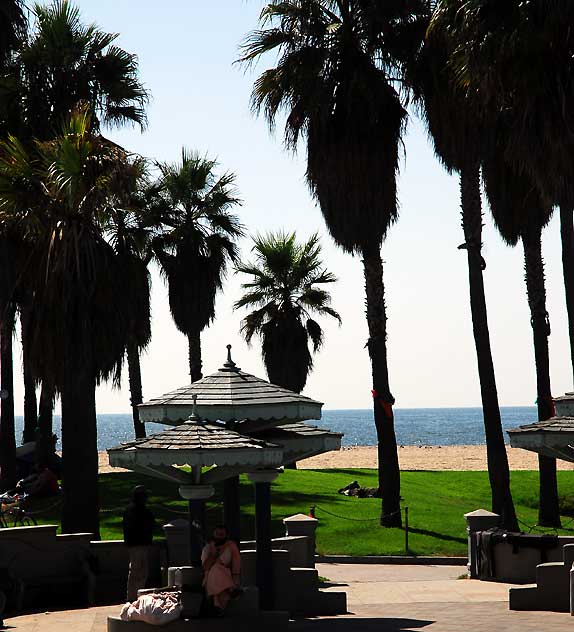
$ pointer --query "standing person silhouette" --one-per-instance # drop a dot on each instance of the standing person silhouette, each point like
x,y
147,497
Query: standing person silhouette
x,y
139,524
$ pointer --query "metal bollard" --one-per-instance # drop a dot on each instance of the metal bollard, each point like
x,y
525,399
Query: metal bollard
x,y
406,530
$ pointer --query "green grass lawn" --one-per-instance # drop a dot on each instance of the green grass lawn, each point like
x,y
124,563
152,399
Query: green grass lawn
x,y
436,502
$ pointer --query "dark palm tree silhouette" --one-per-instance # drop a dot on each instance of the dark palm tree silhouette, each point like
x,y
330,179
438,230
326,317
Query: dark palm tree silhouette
x,y
80,318
520,213
129,229
68,62
13,31
503,54
65,62
197,243
458,134
286,289
334,78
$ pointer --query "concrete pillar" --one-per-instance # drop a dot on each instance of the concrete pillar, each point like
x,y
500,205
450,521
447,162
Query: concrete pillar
x,y
232,508
298,525
196,495
479,520
264,559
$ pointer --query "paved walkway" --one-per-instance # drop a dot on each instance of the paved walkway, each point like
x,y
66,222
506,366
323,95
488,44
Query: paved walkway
x,y
381,598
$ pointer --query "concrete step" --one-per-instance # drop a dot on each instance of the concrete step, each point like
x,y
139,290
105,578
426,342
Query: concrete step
x,y
305,579
552,574
276,620
247,603
553,581
331,603
524,598
536,598
568,555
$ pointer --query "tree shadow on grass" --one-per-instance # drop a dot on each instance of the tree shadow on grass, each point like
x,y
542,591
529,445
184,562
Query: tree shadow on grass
x,y
371,624
438,536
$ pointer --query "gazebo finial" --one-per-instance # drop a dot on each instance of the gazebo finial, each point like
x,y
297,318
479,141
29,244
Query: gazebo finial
x,y
195,418
229,365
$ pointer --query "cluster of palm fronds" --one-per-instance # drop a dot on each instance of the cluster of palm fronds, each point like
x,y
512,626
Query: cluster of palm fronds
x,y
80,220
493,82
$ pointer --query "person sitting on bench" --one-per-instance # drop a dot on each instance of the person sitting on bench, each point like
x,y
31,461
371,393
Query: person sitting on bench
x,y
222,568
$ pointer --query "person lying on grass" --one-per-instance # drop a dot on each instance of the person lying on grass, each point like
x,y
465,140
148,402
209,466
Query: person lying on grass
x,y
221,567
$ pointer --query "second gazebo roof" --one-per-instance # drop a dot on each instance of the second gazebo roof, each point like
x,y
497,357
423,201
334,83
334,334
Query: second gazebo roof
x,y
231,395
196,443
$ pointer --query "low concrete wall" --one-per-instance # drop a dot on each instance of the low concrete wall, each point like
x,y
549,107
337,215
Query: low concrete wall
x,y
112,564
45,568
297,546
517,565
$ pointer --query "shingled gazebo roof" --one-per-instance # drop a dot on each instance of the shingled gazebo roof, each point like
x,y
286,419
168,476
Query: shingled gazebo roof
x,y
196,443
230,394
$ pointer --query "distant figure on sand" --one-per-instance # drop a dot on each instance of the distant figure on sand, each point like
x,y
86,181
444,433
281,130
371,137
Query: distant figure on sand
x,y
139,524
222,568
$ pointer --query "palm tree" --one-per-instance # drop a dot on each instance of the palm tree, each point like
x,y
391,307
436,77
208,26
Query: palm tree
x,y
197,243
80,326
129,229
517,57
9,253
13,29
520,212
335,79
458,135
286,288
68,62
63,63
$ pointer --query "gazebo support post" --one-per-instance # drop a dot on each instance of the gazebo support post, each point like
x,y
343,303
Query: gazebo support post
x,y
196,495
196,510
264,559
232,508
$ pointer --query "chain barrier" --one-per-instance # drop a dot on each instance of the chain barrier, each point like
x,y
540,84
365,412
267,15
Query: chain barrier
x,y
378,518
58,503
544,530
163,508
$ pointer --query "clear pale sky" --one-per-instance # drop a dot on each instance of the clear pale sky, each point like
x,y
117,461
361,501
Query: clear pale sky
x,y
201,100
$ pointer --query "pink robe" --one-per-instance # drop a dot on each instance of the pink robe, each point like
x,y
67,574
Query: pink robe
x,y
219,577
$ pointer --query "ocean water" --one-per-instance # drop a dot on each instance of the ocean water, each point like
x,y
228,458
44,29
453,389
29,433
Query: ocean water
x,y
414,426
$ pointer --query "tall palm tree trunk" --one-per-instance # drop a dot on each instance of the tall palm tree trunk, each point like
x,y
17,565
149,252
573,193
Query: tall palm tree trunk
x,y
549,511
8,473
80,512
136,396
45,445
383,400
497,460
30,400
195,364
567,235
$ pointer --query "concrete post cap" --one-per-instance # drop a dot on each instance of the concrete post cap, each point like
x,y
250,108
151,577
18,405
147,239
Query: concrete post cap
x,y
300,518
481,513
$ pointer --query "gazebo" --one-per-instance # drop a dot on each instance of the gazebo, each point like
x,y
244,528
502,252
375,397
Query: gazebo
x,y
553,437
233,423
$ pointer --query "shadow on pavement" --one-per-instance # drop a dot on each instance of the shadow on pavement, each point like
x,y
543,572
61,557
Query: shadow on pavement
x,y
359,624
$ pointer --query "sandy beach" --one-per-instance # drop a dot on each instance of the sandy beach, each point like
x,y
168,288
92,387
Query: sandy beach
x,y
452,457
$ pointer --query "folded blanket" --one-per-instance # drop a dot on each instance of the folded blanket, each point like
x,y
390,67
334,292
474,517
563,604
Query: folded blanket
x,y
156,608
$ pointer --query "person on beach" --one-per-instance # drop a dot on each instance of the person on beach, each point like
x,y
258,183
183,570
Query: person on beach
x,y
139,524
221,567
